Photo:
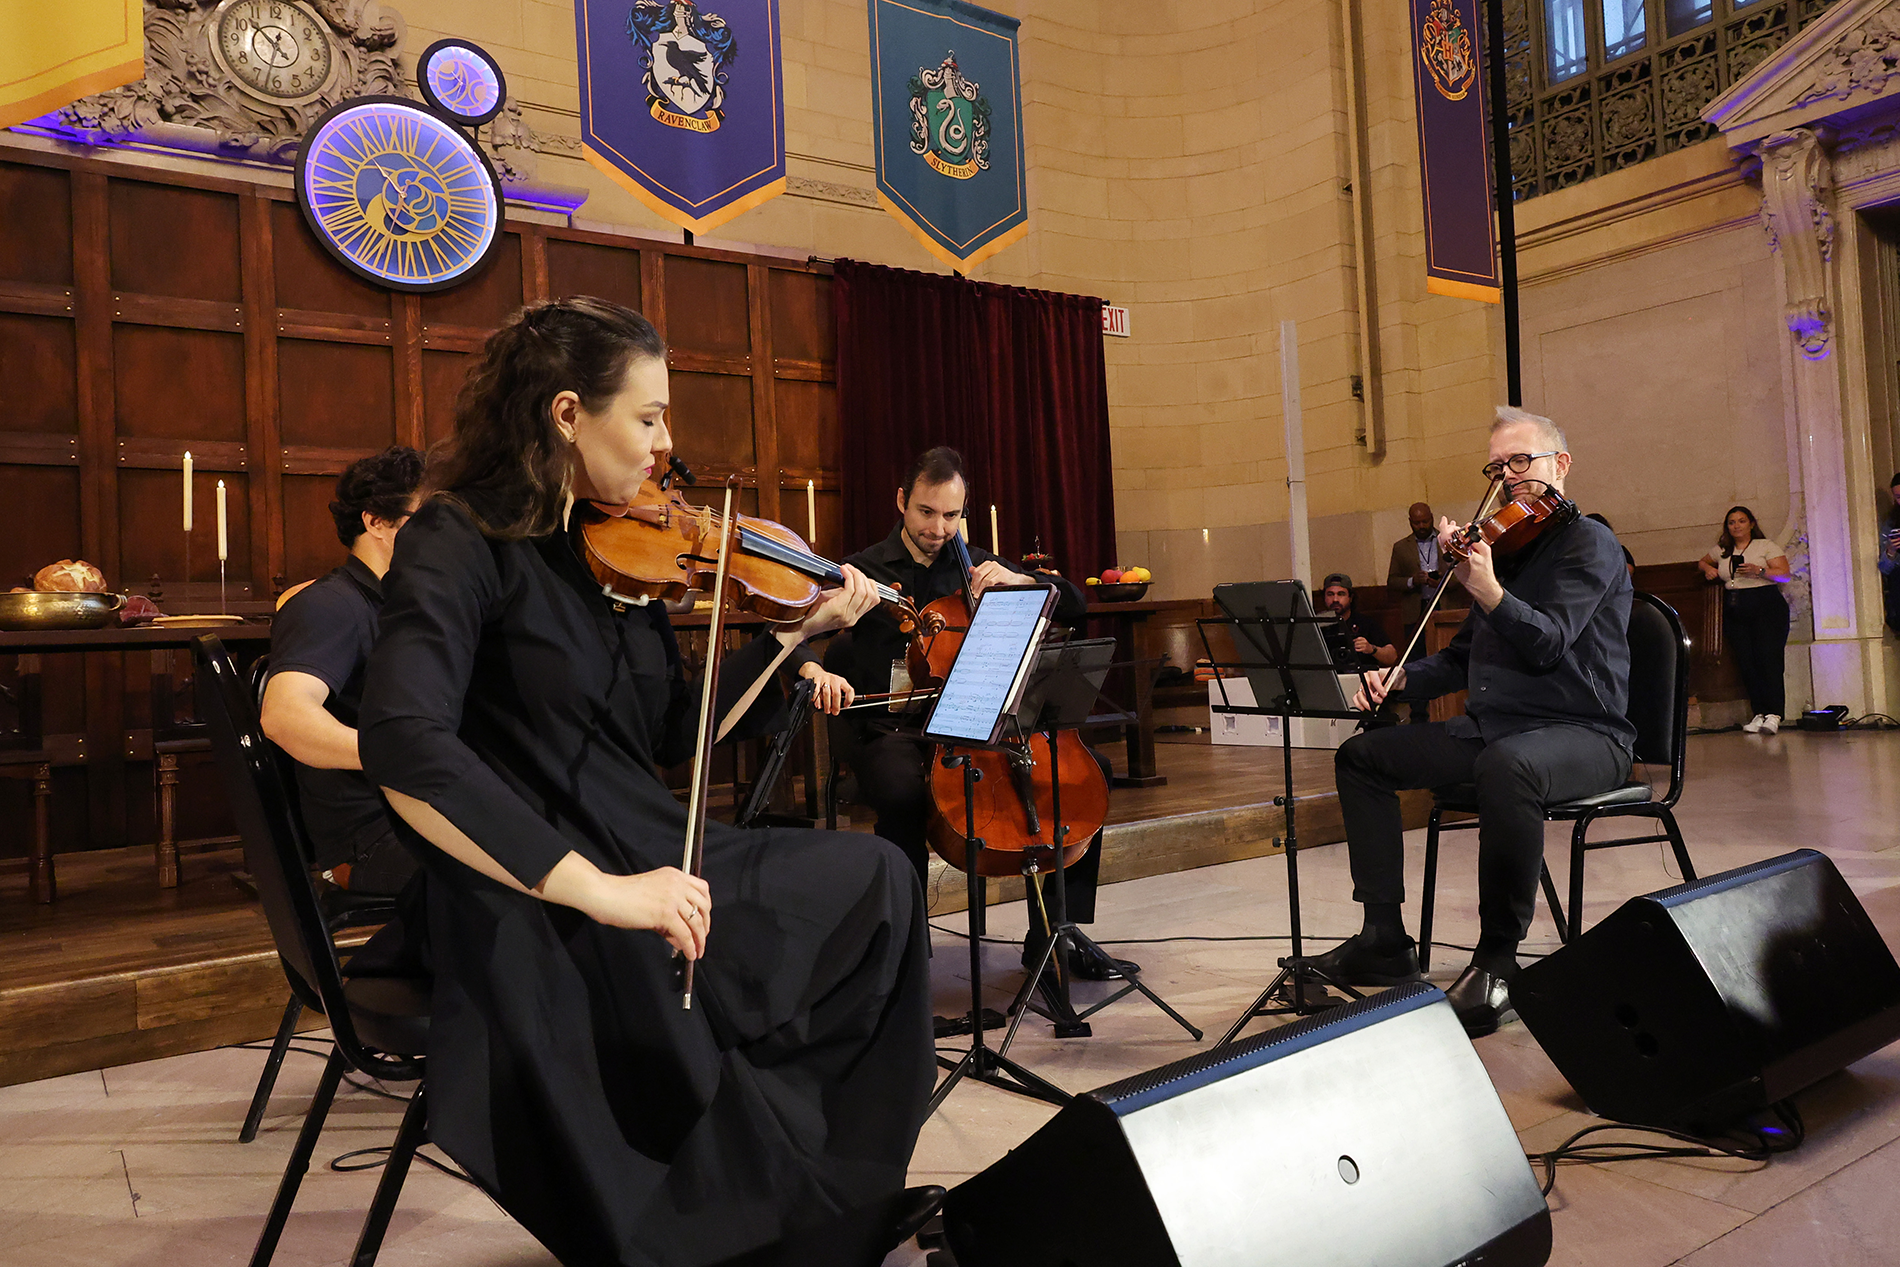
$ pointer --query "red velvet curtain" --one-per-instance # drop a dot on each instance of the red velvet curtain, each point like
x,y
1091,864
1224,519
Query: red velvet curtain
x,y
1014,379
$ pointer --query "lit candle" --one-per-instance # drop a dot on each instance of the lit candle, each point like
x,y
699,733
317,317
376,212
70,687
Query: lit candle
x,y
223,544
996,541
1204,537
811,511
187,490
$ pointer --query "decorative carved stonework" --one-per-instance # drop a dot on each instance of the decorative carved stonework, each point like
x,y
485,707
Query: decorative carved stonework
x,y
187,102
185,86
1862,62
1797,183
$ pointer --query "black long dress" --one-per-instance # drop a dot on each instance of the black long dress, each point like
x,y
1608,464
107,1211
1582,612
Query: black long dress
x,y
508,693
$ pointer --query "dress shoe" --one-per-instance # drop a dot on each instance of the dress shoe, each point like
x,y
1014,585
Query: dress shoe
x,y
1356,961
1091,963
1482,1001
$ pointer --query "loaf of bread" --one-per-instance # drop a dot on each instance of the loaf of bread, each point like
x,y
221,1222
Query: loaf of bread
x,y
74,576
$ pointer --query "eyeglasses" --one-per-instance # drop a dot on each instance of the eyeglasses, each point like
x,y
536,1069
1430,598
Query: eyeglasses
x,y
1518,462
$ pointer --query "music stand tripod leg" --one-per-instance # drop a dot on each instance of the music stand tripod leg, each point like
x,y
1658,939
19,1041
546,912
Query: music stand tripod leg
x,y
980,1062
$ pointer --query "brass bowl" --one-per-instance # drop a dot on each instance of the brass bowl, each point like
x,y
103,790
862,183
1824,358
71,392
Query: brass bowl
x,y
58,609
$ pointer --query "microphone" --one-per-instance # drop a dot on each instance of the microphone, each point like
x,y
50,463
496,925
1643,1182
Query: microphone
x,y
676,469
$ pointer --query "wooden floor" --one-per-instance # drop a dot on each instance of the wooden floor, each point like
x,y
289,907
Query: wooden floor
x,y
118,970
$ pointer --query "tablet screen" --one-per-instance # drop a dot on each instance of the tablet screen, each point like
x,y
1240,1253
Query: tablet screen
x,y
987,677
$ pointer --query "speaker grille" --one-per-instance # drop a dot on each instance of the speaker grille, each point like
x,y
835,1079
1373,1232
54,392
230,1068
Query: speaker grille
x,y
1731,879
1191,1071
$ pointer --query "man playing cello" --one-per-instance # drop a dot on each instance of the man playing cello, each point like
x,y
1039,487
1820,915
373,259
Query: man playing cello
x,y
1544,654
892,778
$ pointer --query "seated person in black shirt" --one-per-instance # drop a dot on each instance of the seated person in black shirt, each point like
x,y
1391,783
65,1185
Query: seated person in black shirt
x,y
892,779
1356,642
320,645
1544,654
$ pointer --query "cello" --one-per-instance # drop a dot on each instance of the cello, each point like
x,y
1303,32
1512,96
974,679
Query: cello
x,y
1014,798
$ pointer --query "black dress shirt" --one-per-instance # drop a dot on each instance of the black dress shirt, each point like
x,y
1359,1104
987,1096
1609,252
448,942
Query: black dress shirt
x,y
876,641
1555,650
327,630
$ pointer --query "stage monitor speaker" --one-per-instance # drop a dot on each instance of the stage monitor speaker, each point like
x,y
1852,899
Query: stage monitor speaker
x,y
1368,1134
1693,1006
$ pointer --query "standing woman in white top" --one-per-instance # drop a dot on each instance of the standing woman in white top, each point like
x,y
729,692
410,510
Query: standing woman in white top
x,y
1751,569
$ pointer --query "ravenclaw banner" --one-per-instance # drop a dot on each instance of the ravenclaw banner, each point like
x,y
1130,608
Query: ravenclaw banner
x,y
56,51
1461,241
682,103
946,119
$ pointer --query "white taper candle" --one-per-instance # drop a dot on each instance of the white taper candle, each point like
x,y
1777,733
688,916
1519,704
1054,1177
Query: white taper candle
x,y
223,539
187,490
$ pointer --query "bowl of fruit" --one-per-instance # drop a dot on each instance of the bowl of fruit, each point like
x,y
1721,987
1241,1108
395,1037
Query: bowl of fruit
x,y
1119,585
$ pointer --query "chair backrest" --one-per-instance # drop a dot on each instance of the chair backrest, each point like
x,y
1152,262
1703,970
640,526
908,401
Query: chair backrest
x,y
1659,687
274,846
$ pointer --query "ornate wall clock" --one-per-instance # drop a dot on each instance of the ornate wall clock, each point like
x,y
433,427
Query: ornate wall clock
x,y
461,81
398,195
277,50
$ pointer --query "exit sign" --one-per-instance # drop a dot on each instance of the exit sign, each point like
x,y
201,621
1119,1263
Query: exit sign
x,y
1115,321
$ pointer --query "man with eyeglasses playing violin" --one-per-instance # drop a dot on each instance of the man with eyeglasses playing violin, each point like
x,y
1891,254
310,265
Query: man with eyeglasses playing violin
x,y
1544,655
890,769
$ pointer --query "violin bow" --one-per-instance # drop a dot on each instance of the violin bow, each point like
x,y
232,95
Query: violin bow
x,y
1425,617
696,805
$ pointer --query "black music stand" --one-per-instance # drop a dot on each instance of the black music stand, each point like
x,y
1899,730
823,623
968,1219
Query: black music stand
x,y
1273,634
989,713
1061,696
755,812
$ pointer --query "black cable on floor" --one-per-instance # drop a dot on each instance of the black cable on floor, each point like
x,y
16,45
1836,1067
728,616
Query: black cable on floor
x,y
337,1163
1769,1142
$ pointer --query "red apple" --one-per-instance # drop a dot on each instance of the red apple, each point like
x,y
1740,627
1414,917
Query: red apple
x,y
1112,576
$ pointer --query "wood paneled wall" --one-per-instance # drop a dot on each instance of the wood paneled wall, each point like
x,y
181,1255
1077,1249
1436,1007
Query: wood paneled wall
x,y
144,313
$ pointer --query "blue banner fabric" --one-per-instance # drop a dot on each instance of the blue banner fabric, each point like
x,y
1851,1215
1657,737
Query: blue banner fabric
x,y
684,106
1461,239
946,120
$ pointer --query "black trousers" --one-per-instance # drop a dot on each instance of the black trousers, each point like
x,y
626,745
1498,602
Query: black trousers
x,y
1755,622
1515,778
893,782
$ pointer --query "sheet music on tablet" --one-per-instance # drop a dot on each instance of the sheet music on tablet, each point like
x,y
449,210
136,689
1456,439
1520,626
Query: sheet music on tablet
x,y
991,666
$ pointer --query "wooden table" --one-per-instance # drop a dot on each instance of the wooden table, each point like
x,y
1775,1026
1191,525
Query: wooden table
x,y
162,643
1126,623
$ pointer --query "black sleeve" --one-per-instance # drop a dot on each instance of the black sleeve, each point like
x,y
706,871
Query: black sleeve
x,y
737,670
320,631
1587,568
439,593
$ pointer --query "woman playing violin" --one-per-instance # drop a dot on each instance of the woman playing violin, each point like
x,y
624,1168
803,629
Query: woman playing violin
x,y
518,720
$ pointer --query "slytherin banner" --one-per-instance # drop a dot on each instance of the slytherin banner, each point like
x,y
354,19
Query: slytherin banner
x,y
1461,241
946,120
682,105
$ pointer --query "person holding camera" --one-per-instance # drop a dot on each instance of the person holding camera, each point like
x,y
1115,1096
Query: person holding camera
x,y
1751,569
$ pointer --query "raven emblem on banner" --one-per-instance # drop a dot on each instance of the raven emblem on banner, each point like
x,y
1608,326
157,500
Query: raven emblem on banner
x,y
1444,45
949,121
687,54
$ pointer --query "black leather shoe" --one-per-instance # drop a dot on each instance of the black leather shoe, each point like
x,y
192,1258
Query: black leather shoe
x,y
1092,964
1096,964
1356,962
1482,1001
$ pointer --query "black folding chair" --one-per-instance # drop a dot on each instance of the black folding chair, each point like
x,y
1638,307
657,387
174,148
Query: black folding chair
x,y
380,1025
341,909
1659,709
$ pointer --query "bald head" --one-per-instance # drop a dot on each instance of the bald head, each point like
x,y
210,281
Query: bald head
x,y
1421,518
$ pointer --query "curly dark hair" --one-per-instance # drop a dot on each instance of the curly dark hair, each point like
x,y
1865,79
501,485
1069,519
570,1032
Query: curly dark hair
x,y
1754,529
507,464
380,486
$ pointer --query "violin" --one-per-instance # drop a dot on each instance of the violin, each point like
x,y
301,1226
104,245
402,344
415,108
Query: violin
x,y
1507,530
662,546
1015,792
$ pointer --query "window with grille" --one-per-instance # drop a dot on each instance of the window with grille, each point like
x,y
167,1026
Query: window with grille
x,y
1597,85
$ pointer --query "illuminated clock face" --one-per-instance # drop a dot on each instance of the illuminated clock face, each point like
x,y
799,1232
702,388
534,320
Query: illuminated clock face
x,y
398,195
275,49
